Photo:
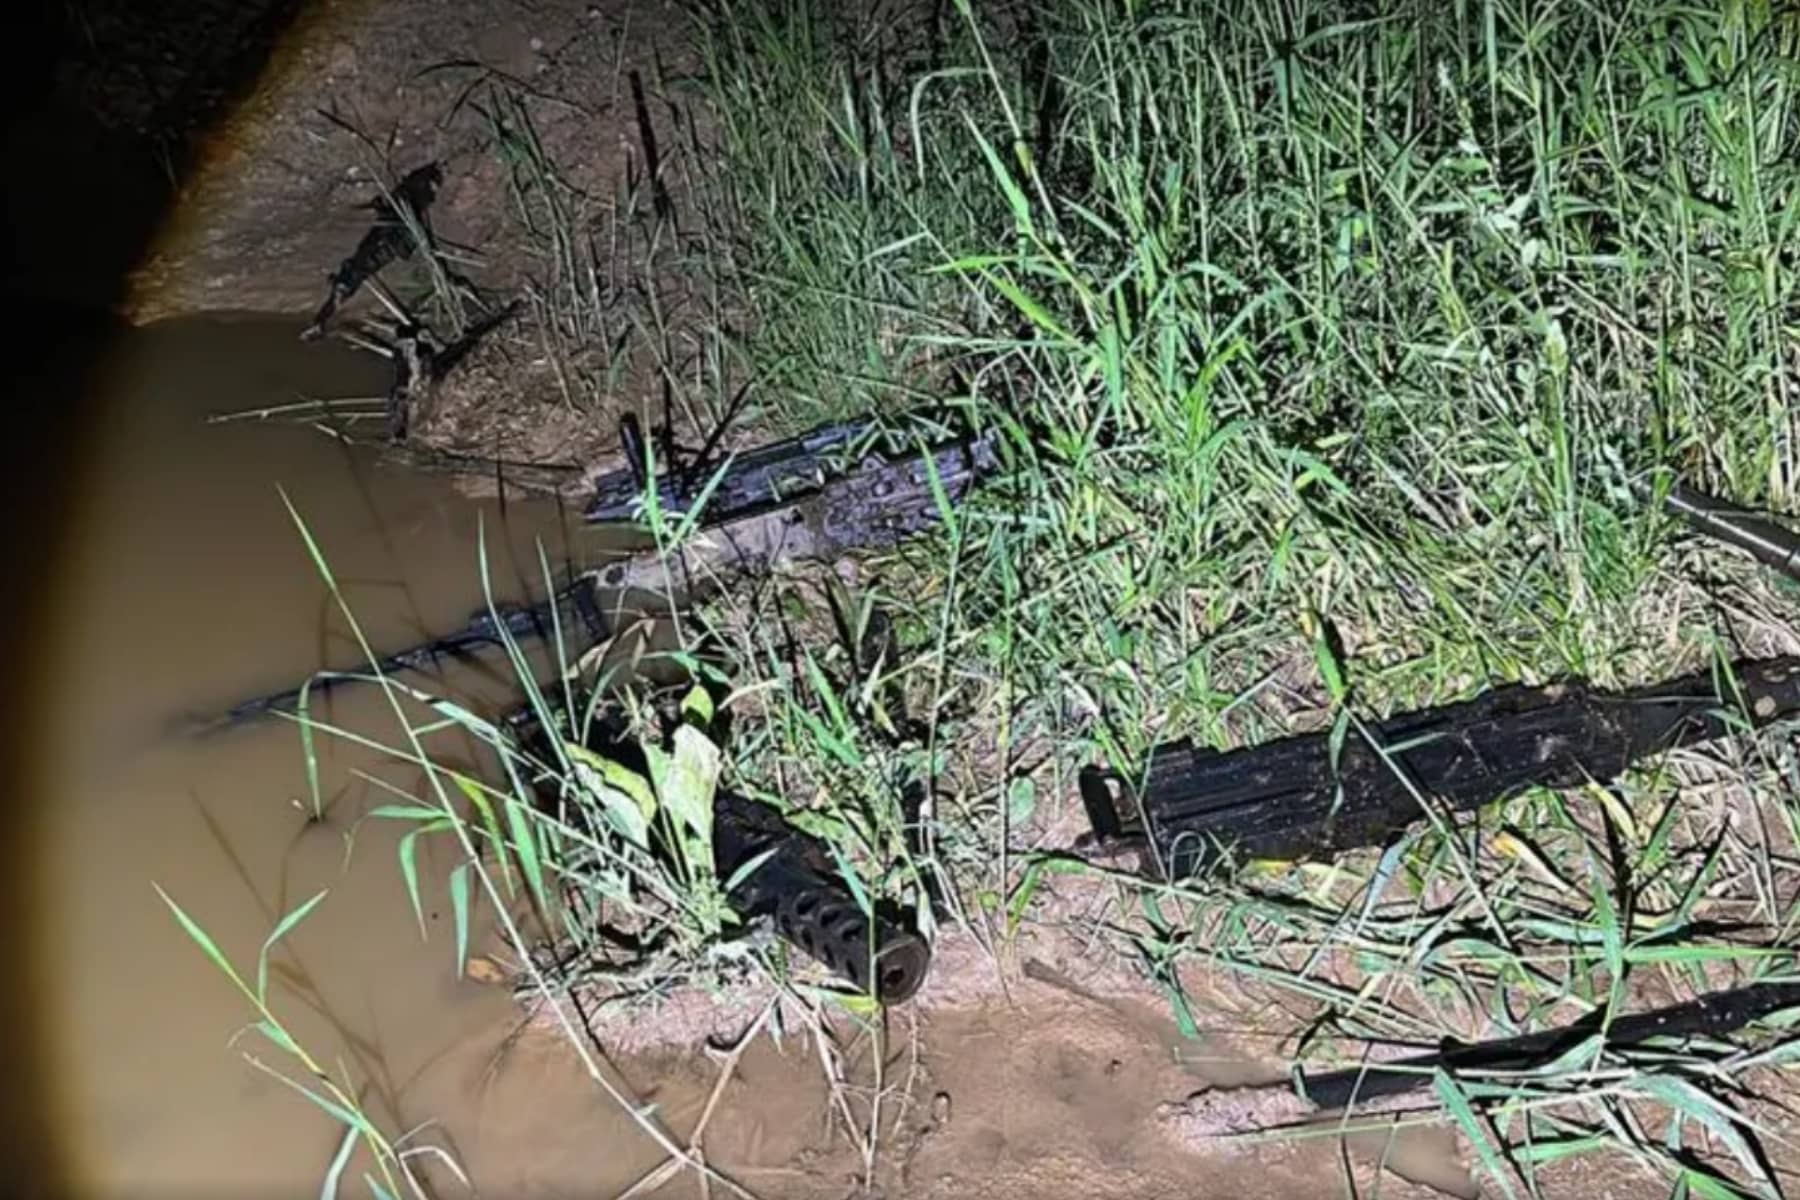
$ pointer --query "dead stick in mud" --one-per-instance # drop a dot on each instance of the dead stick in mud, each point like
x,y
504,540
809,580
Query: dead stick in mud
x,y
671,1166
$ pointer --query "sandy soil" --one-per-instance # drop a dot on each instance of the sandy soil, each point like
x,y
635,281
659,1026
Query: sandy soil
x,y
1044,1067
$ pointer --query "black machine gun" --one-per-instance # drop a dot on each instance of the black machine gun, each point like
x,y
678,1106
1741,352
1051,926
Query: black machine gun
x,y
1288,800
840,488
847,460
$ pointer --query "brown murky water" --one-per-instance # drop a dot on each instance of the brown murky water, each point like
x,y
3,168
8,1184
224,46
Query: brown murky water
x,y
187,587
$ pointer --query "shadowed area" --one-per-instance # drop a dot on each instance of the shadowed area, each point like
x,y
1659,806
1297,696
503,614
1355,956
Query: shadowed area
x,y
108,105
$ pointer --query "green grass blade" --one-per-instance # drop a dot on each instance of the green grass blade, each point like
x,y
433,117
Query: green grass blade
x,y
459,907
204,940
285,926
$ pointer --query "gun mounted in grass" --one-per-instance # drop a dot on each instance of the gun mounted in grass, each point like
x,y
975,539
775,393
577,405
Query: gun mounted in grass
x,y
1759,536
1295,798
816,496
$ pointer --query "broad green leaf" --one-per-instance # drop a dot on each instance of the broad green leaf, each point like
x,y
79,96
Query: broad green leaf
x,y
697,706
615,775
281,930
690,777
459,906
628,814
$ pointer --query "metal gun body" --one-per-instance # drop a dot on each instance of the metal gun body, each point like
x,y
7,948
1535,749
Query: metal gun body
x,y
879,505
788,878
1288,799
389,240
760,478
1767,542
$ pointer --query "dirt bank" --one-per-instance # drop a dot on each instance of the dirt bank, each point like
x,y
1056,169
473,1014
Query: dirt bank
x,y
360,93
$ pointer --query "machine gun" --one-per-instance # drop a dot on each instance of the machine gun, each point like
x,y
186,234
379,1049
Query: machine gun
x,y
1293,798
770,512
792,500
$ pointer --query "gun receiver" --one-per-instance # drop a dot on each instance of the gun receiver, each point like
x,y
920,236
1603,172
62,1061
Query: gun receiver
x,y
776,475
755,479
880,503
1286,800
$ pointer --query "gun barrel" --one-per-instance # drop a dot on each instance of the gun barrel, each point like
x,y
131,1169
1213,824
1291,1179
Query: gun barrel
x,y
574,609
808,907
1712,1015
1768,542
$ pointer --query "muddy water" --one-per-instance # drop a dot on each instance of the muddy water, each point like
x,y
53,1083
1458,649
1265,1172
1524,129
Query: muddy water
x,y
186,587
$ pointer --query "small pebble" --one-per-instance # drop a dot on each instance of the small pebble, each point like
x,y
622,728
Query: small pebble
x,y
940,1109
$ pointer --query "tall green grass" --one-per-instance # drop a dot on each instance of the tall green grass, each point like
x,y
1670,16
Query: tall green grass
x,y
1329,342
